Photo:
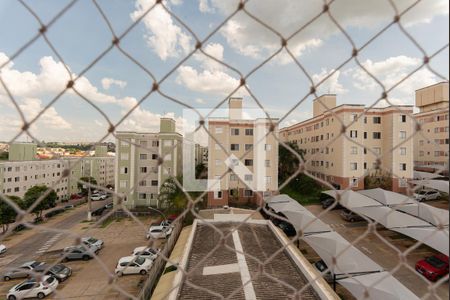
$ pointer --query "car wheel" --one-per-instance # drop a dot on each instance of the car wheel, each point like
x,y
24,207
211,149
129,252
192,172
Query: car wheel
x,y
143,272
120,274
41,295
352,220
7,278
12,297
85,257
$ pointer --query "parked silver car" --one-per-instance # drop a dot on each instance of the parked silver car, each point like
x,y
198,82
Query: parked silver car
x,y
91,241
79,252
22,271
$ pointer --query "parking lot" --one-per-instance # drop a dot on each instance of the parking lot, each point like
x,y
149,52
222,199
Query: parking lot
x,y
91,279
383,249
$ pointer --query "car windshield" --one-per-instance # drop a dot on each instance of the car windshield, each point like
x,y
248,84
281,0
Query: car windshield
x,y
435,262
422,192
50,279
92,240
35,264
140,260
57,268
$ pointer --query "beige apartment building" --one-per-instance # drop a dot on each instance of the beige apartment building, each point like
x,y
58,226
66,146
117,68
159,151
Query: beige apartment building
x,y
343,160
23,171
255,158
432,142
139,176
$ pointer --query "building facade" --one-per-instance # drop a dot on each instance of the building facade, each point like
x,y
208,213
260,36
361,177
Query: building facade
x,y
431,143
256,157
22,172
139,172
375,137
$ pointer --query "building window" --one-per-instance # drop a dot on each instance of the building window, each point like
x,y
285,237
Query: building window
x,y
143,144
402,150
421,142
268,180
249,131
403,118
267,147
248,193
376,120
123,184
234,131
248,177
248,162
218,194
248,147
218,130
267,163
436,153
353,166
142,196
143,169
377,150
16,189
402,135
155,143
154,156
233,177
354,117
354,150
421,153
154,182
365,166
402,167
234,147
354,182
376,135
142,156
353,134
142,183
124,156
123,170
16,179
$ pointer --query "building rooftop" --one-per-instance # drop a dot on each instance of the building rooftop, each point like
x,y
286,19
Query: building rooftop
x,y
221,267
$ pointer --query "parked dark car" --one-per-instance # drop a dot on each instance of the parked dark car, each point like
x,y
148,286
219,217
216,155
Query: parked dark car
x,y
327,202
98,211
350,216
38,220
287,228
19,227
321,266
59,271
433,267
54,212
109,205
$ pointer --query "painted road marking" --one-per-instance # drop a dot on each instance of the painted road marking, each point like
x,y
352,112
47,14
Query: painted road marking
x,y
249,291
48,244
221,269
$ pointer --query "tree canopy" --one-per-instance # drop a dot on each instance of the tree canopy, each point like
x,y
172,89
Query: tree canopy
x,y
7,212
34,193
83,187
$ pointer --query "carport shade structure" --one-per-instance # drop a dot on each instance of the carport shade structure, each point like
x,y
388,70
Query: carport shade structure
x,y
425,175
440,185
390,218
431,236
306,222
387,197
434,215
351,199
378,286
331,246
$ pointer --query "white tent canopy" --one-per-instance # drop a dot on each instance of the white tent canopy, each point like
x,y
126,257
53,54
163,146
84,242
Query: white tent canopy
x,y
379,286
306,221
387,197
434,215
431,236
389,217
284,203
349,259
440,185
351,199
425,175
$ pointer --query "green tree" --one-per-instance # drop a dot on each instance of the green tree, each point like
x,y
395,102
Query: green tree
x,y
171,197
34,193
378,179
201,171
82,186
7,212
288,162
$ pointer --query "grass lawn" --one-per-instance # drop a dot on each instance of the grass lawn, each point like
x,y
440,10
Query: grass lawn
x,y
304,199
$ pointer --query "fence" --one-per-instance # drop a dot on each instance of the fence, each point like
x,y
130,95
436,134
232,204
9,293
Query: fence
x,y
308,162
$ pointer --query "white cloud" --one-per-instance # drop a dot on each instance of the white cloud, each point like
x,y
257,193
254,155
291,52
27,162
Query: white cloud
x,y
389,72
165,37
330,85
251,39
205,7
31,107
215,50
108,82
200,101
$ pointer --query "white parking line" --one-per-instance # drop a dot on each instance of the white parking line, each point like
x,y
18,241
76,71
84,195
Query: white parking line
x,y
48,244
249,291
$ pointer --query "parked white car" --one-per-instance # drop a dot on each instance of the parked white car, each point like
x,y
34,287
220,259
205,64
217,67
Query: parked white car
x,y
146,252
424,195
98,197
133,265
33,289
159,232
2,249
92,242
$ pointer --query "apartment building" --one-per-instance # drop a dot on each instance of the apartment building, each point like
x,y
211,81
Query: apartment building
x,y
255,158
342,160
431,144
139,174
23,171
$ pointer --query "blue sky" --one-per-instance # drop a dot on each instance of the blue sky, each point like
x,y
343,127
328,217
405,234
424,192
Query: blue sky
x,y
159,43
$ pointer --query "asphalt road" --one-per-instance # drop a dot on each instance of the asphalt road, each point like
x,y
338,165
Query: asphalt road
x,y
38,243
